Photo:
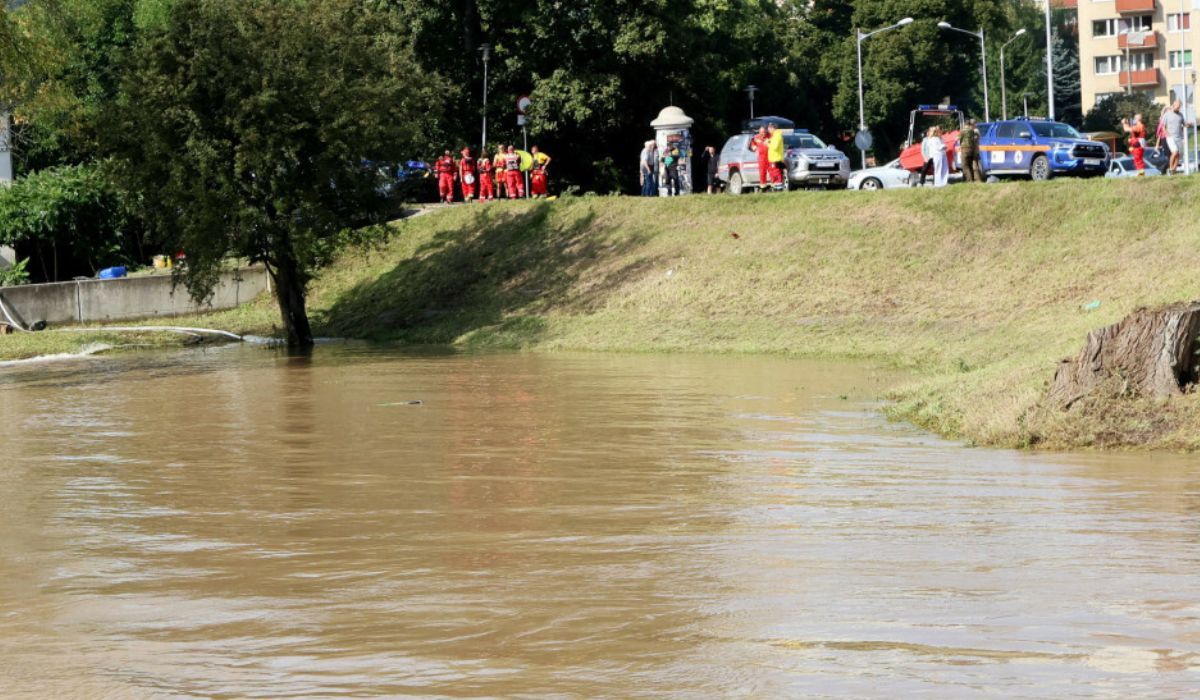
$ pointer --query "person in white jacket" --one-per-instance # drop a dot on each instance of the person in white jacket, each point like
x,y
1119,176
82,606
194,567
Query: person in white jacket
x,y
933,148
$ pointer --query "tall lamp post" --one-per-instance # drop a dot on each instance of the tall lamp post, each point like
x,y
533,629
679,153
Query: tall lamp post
x,y
485,51
1049,62
987,110
862,117
1003,85
750,90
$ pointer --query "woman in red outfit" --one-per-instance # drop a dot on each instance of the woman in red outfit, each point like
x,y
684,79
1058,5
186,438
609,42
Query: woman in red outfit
x,y
1137,142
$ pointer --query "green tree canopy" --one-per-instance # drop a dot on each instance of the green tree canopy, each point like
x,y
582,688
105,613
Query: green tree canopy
x,y
249,127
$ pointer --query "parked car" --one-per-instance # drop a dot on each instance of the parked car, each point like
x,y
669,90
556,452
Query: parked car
x,y
810,163
1160,158
1124,167
883,177
1039,149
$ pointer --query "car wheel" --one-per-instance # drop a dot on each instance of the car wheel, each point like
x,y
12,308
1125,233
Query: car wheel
x,y
1039,169
871,183
735,183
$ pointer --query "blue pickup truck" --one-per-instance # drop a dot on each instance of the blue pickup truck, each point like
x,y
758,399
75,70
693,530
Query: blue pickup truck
x,y
1039,149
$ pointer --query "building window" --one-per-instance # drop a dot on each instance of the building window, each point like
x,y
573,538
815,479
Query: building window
x,y
1179,22
1137,23
1102,28
1108,65
1180,60
1141,60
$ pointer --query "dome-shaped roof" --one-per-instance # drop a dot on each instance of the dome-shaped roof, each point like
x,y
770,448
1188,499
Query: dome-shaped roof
x,y
671,117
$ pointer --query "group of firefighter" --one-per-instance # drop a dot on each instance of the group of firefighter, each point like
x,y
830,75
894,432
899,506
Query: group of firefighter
x,y
490,178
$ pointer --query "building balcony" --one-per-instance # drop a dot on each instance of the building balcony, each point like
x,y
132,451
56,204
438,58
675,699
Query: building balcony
x,y
1140,78
1138,40
1135,6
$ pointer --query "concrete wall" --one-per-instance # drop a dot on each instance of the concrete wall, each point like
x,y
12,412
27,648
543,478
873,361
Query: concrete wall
x,y
92,301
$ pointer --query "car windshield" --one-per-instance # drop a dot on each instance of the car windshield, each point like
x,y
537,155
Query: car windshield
x,y
803,141
1055,130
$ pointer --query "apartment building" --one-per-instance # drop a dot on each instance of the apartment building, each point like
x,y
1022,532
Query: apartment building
x,y
1142,46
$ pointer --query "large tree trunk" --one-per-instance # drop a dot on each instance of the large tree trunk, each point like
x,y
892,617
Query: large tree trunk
x,y
289,293
1152,351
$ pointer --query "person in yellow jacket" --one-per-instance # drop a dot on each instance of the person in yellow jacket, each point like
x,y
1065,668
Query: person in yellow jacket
x,y
775,154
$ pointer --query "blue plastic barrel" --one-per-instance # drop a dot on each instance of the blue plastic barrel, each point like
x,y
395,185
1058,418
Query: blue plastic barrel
x,y
111,273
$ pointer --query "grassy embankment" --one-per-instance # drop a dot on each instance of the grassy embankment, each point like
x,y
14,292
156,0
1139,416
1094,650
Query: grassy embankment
x,y
977,291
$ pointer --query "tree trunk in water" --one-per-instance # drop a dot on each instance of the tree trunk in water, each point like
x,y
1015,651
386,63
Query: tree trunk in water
x,y
289,293
1153,351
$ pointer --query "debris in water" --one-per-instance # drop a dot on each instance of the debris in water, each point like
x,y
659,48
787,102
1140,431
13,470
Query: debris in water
x,y
734,234
414,402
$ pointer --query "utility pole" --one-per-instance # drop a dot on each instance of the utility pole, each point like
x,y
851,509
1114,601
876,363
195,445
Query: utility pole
x,y
486,51
1049,62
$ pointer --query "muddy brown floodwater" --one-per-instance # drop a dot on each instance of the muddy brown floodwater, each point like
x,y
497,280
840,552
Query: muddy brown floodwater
x,y
236,523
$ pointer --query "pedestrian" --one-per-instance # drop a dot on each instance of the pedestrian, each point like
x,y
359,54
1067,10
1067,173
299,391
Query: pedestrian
x,y
512,173
539,177
760,145
1160,132
1137,142
1174,122
968,149
648,169
487,190
711,164
775,153
927,153
467,175
670,166
445,168
941,163
498,173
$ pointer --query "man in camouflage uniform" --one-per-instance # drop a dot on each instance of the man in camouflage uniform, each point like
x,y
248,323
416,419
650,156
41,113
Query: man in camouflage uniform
x,y
968,151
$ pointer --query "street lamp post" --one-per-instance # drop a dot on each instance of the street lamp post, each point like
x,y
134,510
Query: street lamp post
x,y
486,51
1004,85
862,117
987,110
750,90
1049,63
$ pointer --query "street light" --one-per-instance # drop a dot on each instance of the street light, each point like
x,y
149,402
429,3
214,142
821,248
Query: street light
x,y
486,51
862,117
1003,86
1049,63
750,90
987,110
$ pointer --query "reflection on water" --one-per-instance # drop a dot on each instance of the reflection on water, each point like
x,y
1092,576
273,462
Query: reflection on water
x,y
236,522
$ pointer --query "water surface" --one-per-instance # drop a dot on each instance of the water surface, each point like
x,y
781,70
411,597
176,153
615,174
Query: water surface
x,y
235,522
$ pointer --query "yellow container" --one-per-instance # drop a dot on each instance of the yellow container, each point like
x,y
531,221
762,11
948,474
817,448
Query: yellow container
x,y
161,262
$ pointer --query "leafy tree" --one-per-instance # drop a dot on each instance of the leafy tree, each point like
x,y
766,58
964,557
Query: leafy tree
x,y
1107,115
1067,95
248,128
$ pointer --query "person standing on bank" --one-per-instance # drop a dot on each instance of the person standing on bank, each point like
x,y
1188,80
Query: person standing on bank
x,y
711,163
1137,142
512,173
539,178
775,153
941,163
467,175
648,169
486,190
759,144
927,153
968,149
1174,121
670,163
498,172
445,167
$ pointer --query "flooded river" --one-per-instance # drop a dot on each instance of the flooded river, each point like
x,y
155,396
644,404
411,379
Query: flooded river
x,y
236,523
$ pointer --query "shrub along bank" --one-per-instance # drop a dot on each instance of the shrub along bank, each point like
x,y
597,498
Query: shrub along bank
x,y
978,291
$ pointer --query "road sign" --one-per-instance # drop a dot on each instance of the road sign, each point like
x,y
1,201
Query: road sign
x,y
863,140
523,104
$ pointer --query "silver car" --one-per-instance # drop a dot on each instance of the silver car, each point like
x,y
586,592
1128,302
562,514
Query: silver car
x,y
809,162
883,177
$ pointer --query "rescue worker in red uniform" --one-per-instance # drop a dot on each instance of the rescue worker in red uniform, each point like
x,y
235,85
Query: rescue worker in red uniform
x,y
444,167
538,179
515,182
759,145
486,192
467,175
498,172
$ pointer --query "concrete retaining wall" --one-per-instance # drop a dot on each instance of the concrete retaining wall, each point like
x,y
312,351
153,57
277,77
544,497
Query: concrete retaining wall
x,y
92,301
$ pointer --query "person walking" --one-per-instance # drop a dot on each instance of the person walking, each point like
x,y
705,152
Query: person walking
x,y
467,175
1174,121
487,192
512,173
670,168
498,172
775,154
968,149
538,179
711,165
648,169
941,163
445,168
760,145
1137,142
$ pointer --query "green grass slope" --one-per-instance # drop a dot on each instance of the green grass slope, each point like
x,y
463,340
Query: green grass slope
x,y
977,290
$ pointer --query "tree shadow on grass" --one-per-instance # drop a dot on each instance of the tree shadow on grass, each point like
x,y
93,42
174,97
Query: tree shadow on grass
x,y
491,279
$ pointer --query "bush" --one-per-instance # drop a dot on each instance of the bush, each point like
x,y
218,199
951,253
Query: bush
x,y
1107,115
14,275
71,219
